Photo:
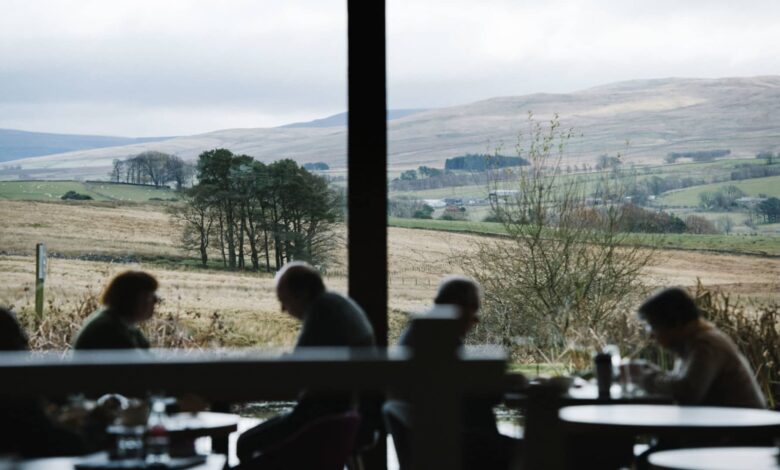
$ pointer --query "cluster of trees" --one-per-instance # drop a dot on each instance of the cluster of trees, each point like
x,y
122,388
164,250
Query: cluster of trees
x,y
483,162
445,179
743,172
699,156
153,168
409,209
770,210
768,156
724,198
422,172
638,220
606,162
74,196
258,216
641,190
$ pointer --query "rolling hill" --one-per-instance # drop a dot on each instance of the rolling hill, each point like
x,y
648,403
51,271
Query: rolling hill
x,y
15,144
642,119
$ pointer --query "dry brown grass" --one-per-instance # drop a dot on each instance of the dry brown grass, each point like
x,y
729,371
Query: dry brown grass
x,y
754,326
247,313
94,227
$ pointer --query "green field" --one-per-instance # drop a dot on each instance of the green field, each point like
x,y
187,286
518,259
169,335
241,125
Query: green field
x,y
763,245
770,186
709,171
53,190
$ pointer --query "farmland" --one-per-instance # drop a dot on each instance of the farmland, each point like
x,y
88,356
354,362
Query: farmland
x,y
53,190
91,241
769,186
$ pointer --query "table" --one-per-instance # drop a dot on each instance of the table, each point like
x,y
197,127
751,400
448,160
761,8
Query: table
x,y
213,462
717,458
580,394
671,420
190,426
543,429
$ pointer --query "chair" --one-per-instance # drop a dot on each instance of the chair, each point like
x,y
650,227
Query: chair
x,y
398,422
371,428
324,443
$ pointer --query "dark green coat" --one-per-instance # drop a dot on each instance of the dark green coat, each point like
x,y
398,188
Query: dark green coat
x,y
105,329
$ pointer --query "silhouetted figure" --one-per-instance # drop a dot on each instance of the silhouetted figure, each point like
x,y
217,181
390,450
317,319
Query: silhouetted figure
x,y
25,429
128,300
329,319
483,446
709,370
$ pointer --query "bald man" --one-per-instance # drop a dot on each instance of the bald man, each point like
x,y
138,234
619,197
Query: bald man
x,y
483,446
328,319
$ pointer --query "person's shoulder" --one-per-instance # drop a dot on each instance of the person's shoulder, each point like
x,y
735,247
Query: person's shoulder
x,y
713,339
338,303
99,318
99,329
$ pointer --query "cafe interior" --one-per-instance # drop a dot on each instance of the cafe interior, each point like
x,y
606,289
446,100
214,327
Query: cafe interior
x,y
598,421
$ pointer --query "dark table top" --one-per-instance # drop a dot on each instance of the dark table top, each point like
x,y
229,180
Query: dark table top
x,y
580,394
204,423
213,462
717,458
670,419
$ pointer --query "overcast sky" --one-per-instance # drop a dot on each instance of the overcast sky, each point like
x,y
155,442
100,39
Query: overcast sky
x,y
175,67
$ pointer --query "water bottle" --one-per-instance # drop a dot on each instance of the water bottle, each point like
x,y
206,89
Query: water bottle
x,y
603,365
157,439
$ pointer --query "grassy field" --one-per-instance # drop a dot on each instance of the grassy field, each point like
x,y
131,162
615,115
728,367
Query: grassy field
x,y
762,245
53,190
770,186
91,241
706,170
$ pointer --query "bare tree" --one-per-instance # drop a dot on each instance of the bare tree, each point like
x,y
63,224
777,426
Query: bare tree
x,y
565,269
197,218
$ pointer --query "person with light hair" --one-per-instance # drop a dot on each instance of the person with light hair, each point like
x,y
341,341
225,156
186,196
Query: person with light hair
x,y
328,319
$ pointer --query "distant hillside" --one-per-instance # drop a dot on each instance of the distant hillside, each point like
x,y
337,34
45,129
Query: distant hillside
x,y
341,119
643,119
16,144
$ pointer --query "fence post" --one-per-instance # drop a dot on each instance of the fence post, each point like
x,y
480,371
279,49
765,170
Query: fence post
x,y
40,276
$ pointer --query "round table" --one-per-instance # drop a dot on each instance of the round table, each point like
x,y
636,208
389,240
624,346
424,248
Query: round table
x,y
717,458
213,462
672,420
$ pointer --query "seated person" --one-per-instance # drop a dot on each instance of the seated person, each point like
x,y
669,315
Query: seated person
x,y
709,369
128,300
329,319
484,447
25,429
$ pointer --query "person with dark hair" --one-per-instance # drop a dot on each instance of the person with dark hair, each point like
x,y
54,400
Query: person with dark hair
x,y
328,319
709,370
12,336
128,300
483,446
25,429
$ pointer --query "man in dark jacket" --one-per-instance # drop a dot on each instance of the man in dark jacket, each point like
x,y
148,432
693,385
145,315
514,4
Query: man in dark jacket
x,y
483,446
328,319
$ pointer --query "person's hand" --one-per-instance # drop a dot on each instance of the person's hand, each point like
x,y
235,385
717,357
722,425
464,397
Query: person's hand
x,y
636,369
